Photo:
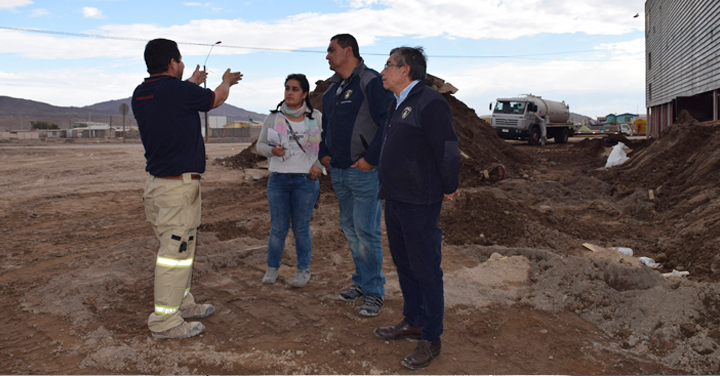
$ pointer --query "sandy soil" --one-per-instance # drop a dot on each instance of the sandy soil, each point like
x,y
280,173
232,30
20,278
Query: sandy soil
x,y
523,295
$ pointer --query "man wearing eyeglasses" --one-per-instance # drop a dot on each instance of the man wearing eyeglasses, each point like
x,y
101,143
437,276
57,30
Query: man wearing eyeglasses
x,y
354,113
418,170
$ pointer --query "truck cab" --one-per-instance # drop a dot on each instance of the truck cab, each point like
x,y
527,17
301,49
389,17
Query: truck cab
x,y
625,129
521,118
510,118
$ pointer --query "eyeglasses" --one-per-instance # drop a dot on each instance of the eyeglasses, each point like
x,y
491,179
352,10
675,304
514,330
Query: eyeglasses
x,y
392,65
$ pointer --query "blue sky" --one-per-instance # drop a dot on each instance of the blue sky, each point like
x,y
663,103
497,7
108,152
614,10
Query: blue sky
x,y
589,53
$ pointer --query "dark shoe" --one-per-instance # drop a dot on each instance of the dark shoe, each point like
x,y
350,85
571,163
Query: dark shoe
x,y
354,292
372,305
399,331
422,356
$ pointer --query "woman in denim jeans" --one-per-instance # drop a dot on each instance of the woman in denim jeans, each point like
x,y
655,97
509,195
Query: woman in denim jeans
x,y
290,138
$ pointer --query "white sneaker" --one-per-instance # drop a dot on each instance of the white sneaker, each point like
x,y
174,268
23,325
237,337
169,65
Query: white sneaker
x,y
270,276
301,278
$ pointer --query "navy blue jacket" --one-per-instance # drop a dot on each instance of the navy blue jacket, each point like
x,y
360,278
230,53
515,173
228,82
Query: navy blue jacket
x,y
354,114
420,159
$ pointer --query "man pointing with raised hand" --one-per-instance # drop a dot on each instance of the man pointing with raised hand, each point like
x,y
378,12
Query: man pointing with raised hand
x,y
166,109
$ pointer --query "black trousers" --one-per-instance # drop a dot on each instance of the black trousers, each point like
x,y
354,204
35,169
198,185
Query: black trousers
x,y
415,244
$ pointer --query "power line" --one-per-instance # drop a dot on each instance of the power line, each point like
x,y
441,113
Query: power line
x,y
110,37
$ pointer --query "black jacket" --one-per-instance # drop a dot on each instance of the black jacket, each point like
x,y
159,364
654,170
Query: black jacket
x,y
419,159
353,118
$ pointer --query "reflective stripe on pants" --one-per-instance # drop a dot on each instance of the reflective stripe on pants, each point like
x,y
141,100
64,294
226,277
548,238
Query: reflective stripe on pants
x,y
173,209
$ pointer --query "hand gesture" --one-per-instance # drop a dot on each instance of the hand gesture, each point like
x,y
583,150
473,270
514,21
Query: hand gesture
x,y
198,76
231,78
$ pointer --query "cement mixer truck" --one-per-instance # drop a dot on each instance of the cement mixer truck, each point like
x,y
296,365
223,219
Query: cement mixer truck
x,y
522,118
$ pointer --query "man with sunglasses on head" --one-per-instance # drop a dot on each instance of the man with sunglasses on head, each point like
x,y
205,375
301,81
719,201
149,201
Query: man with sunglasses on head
x,y
354,113
418,170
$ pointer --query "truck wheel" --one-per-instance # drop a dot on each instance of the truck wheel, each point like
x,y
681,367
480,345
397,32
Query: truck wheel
x,y
561,137
534,138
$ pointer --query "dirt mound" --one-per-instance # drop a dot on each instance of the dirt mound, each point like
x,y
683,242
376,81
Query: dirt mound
x,y
480,145
592,147
595,146
684,117
520,213
671,320
316,95
681,168
248,158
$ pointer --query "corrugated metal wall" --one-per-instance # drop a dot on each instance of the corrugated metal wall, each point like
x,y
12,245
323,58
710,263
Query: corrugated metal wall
x,y
683,48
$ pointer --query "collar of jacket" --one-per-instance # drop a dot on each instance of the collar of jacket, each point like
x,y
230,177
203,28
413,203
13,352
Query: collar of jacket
x,y
419,86
336,78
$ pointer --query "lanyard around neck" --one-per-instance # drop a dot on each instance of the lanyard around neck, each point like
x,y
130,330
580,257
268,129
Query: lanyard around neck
x,y
292,132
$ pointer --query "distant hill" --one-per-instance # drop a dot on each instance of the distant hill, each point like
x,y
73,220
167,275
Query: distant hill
x,y
16,106
16,113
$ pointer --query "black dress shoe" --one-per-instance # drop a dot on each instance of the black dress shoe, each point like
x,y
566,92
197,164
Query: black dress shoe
x,y
399,331
422,356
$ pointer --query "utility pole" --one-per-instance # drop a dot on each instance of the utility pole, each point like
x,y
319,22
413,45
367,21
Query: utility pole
x,y
207,123
123,111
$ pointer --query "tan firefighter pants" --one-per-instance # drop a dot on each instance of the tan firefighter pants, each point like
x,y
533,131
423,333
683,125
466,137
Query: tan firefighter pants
x,y
172,206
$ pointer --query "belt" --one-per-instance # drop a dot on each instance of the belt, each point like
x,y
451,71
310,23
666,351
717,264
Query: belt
x,y
193,176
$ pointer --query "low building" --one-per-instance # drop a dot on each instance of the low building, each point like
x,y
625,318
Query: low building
x,y
130,132
20,135
53,133
247,129
625,118
88,129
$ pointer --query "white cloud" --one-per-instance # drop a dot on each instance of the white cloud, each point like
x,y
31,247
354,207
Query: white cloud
x,y
636,47
573,81
362,3
39,12
207,7
43,46
616,68
470,19
52,86
12,4
257,95
262,95
90,12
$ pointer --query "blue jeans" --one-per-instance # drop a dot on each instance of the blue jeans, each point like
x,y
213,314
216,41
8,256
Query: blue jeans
x,y
360,212
291,196
415,244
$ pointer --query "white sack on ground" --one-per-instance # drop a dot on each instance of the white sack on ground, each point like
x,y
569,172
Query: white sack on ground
x,y
617,155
